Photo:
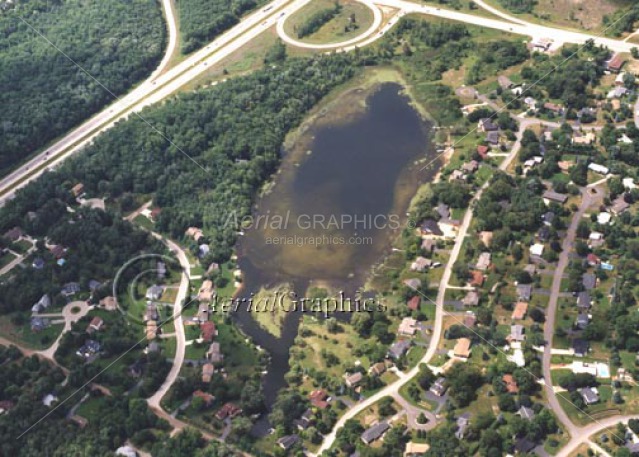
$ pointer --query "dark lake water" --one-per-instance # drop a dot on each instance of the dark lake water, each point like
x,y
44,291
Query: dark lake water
x,y
339,199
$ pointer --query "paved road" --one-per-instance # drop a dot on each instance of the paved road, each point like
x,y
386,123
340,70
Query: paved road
x,y
165,83
160,85
183,292
393,389
588,199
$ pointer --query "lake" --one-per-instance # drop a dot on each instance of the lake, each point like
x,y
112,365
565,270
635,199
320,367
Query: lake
x,y
339,199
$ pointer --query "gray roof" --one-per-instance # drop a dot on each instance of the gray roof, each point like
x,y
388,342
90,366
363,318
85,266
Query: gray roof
x,y
375,432
399,348
582,320
589,395
517,332
589,281
526,413
555,196
524,291
288,441
580,346
583,300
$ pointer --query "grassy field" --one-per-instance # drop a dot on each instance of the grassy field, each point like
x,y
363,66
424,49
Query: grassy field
x,y
570,14
22,334
335,30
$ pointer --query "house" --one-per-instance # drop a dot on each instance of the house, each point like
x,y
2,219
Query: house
x,y
580,346
413,283
471,298
482,150
209,331
154,292
39,323
206,292
109,303
431,227
583,300
443,210
354,379
414,302
531,269
375,432
38,263
305,420
195,233
378,369
629,183
229,410
207,372
510,383
42,304
439,387
95,325
492,138
552,196
151,312
14,234
6,405
617,92
524,292
398,349
214,353
619,206
593,260
600,169
596,239
543,234
484,261
486,238
477,279
516,333
548,218
541,44
486,125
589,281
524,446
206,397
203,312
70,289
457,175
557,109
590,395
49,399
288,441
470,167
585,140
470,319
203,250
616,63
520,311
565,165
136,369
462,348
421,264
151,330
57,250
463,422
604,218
582,321
161,270
89,348
77,190
429,245
407,327
126,451
319,398
526,413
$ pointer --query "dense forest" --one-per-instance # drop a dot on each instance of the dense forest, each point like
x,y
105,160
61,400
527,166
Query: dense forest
x,y
232,132
43,93
203,20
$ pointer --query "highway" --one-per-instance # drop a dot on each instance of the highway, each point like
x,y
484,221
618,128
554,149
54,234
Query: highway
x,y
163,84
